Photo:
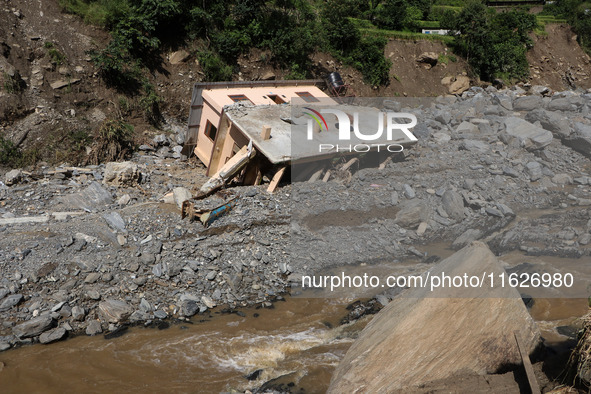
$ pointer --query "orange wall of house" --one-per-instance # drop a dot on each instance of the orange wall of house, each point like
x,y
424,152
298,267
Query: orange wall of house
x,y
204,145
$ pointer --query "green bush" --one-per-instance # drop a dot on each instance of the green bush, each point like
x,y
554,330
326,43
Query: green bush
x,y
369,58
113,141
150,104
9,153
13,84
494,44
214,68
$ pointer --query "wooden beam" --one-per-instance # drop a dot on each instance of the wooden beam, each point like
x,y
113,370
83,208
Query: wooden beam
x,y
349,164
227,172
326,176
276,179
316,175
266,133
529,370
385,162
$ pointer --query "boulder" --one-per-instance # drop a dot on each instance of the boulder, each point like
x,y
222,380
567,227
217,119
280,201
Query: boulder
x,y
178,57
468,236
467,128
94,328
551,121
180,195
453,204
62,83
93,198
114,311
33,327
52,335
531,137
125,173
527,103
268,76
534,170
429,58
423,336
10,301
580,139
460,85
412,213
13,177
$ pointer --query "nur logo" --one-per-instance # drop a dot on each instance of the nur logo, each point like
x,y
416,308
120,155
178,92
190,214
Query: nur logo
x,y
348,129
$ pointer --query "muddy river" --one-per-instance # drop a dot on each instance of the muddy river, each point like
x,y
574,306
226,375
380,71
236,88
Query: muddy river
x,y
299,339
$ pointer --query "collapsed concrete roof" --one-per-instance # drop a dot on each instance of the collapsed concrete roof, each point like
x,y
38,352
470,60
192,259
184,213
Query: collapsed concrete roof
x,y
289,127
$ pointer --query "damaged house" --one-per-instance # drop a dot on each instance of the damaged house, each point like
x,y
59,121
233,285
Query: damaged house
x,y
247,128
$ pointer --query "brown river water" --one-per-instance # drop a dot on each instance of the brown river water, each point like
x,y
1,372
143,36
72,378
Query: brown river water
x,y
299,337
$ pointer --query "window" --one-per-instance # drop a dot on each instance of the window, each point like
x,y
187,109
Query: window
x,y
211,131
276,99
307,97
240,98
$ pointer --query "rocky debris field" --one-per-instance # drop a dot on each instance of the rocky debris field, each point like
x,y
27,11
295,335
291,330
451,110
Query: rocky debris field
x,y
88,250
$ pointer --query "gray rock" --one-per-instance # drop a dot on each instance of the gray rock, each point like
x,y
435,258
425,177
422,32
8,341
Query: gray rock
x,y
530,136
160,140
504,101
114,311
94,328
510,171
540,90
93,294
208,302
10,301
494,212
121,174
93,198
189,308
565,104
580,140
551,121
466,237
3,293
13,177
441,137
412,213
145,306
4,346
534,170
443,117
52,335
475,146
527,103
585,239
78,313
115,221
408,191
92,277
157,270
453,204
562,179
33,327
467,128
505,210
160,314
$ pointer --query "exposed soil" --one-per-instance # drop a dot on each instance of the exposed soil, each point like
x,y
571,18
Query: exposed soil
x,y
557,60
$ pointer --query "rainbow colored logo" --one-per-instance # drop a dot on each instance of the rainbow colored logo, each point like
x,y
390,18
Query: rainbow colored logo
x,y
317,117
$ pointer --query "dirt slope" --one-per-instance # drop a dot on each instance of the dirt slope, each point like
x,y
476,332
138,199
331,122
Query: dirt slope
x,y
557,60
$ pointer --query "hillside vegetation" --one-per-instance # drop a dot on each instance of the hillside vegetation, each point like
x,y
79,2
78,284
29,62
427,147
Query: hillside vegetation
x,y
354,31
